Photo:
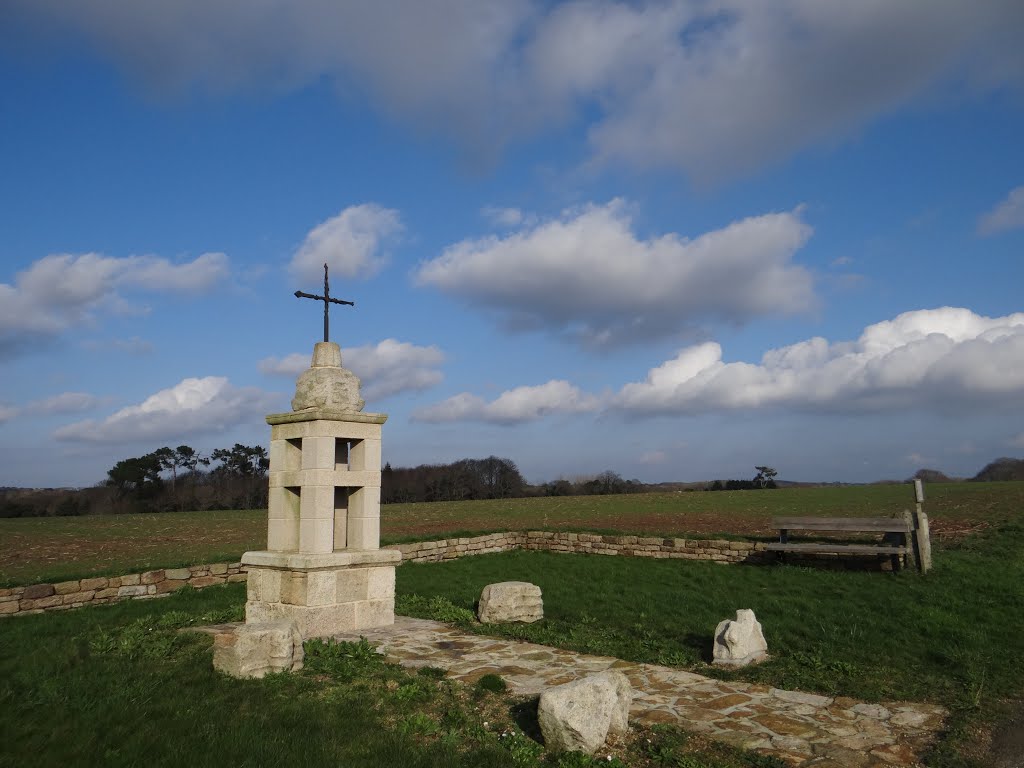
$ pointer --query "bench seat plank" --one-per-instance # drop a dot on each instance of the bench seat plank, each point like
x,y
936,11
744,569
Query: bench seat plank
x,y
839,549
847,524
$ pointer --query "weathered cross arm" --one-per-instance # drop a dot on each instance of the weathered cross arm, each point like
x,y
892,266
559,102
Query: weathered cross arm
x,y
301,295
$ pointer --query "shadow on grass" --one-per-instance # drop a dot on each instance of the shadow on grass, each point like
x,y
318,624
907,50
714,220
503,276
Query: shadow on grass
x,y
704,645
525,716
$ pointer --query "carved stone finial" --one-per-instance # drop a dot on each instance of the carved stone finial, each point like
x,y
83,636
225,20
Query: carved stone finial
x,y
326,384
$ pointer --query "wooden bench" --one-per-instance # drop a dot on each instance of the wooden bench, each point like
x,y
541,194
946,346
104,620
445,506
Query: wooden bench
x,y
897,533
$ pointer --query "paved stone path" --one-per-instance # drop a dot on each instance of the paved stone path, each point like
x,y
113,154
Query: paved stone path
x,y
801,728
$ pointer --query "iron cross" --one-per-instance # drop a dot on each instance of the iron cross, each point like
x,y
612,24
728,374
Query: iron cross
x,y
327,300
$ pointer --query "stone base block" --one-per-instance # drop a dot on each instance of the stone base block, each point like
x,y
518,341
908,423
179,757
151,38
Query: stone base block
x,y
328,596
256,649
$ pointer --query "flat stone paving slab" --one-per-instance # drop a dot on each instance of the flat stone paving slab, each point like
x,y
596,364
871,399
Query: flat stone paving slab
x,y
803,729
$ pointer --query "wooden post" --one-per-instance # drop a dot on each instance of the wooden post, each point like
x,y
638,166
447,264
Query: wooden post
x,y
922,532
909,539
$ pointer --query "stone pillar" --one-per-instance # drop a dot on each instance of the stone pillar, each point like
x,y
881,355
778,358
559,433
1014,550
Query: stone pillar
x,y
323,567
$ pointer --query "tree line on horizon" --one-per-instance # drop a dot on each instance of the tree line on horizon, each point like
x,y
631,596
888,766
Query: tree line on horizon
x,y
169,479
164,480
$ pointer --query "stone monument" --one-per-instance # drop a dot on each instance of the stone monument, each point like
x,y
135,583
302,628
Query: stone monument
x,y
323,567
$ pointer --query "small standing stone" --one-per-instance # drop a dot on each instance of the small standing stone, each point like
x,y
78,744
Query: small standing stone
x,y
740,642
510,601
254,650
579,716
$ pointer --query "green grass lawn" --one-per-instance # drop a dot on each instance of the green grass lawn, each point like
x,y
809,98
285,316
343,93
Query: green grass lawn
x,y
55,549
117,685
121,686
948,637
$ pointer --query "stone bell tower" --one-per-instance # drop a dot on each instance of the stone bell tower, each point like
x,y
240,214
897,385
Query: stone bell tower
x,y
323,567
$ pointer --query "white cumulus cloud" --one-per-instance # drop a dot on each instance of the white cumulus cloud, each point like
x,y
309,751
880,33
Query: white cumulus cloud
x,y
514,406
351,244
8,412
191,407
386,368
711,87
62,290
588,274
941,358
1009,214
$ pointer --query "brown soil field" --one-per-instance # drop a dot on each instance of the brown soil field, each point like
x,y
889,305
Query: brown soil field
x,y
51,549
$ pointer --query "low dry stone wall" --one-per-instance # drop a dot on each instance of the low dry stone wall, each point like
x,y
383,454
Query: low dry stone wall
x,y
586,543
110,589
37,598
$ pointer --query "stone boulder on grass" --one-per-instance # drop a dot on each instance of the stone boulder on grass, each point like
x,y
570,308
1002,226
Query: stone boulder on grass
x,y
740,642
579,716
510,601
255,650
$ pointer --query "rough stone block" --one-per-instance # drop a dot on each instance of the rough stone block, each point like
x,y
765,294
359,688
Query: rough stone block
x,y
321,588
78,597
109,592
169,585
510,601
375,613
218,569
579,716
380,583
351,585
36,591
131,580
132,590
207,581
152,577
9,607
254,650
48,602
312,622
293,587
740,642
327,386
66,587
178,574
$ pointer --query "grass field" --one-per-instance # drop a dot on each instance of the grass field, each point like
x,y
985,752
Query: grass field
x,y
54,549
944,638
118,685
121,686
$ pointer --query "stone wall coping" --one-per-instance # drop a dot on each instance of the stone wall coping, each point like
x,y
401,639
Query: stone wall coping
x,y
311,562
325,414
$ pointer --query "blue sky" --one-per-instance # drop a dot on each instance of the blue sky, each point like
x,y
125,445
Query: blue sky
x,y
672,239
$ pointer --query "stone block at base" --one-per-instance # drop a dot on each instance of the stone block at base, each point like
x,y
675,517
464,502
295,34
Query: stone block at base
x,y
323,594
257,649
